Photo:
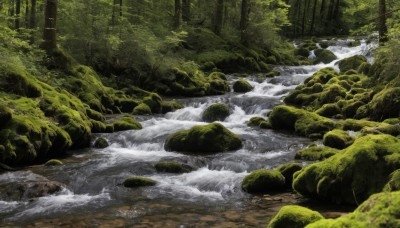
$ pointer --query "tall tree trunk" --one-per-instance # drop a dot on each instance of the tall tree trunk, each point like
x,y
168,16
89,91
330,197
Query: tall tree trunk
x,y
11,9
296,16
178,14
113,12
244,21
303,24
50,23
32,21
120,8
186,10
218,17
336,11
26,13
17,13
313,18
382,22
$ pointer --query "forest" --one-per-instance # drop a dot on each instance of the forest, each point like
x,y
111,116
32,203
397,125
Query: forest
x,y
200,113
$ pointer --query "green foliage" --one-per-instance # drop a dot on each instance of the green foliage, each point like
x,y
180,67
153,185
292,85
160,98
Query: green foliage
x,y
294,217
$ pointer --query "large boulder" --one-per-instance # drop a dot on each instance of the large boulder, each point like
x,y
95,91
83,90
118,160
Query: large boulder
x,y
210,138
262,181
352,63
242,86
324,56
216,112
294,217
385,104
338,139
353,174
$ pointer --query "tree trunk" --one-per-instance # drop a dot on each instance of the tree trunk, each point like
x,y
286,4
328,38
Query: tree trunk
x,y
120,8
113,12
218,17
382,22
32,21
186,10
244,21
17,13
178,14
49,34
313,17
303,24
26,13
336,10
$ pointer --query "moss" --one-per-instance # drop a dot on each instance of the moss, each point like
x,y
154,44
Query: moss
x,y
393,130
364,68
294,217
302,52
53,162
17,81
142,109
242,86
394,183
154,102
350,109
324,56
216,112
5,115
352,63
170,106
203,139
126,123
316,153
380,210
329,110
355,43
287,170
98,127
302,122
109,128
101,143
385,104
352,175
134,182
172,167
262,181
338,139
95,115
126,105
357,125
259,122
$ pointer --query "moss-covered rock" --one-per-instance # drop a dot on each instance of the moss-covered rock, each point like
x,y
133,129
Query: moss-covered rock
x,y
5,115
329,110
315,153
302,122
154,102
352,175
216,112
172,167
294,217
142,109
259,122
352,63
302,52
53,162
126,123
210,138
357,125
101,143
287,170
380,210
242,86
262,181
385,104
338,139
134,182
394,183
324,56
170,106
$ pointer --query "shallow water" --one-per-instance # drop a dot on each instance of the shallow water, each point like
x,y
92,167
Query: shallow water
x,y
208,196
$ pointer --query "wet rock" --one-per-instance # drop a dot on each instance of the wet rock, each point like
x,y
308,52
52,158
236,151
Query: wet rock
x,y
262,181
352,63
142,109
338,139
287,170
126,123
324,56
294,217
134,182
53,162
216,112
172,167
259,122
242,86
101,143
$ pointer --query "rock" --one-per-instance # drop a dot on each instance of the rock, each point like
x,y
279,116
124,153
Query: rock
x,y
210,138
263,181
54,162
242,86
380,210
385,104
216,112
338,139
5,115
259,122
287,170
303,52
294,217
324,56
329,110
352,63
101,143
126,123
170,106
134,182
353,174
316,153
154,102
172,167
394,183
142,109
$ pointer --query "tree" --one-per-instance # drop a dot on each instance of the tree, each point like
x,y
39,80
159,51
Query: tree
x,y
218,16
178,14
50,22
17,13
244,21
382,22
32,20
186,10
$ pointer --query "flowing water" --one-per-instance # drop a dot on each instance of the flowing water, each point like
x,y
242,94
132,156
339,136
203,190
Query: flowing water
x,y
209,196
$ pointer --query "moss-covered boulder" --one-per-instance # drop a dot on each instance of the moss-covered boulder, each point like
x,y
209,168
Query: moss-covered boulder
x,y
329,110
353,174
134,182
287,170
5,115
357,125
172,167
210,138
385,104
324,56
53,162
259,122
352,63
294,217
142,109
315,153
216,112
101,143
262,181
338,139
170,106
302,122
394,182
303,52
380,210
242,86
154,102
126,123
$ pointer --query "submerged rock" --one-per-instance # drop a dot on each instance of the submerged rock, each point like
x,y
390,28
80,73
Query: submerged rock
x,y
172,167
262,181
259,122
134,182
242,86
210,138
142,109
324,56
294,217
216,112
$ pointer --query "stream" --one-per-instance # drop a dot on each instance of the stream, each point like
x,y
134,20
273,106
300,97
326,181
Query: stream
x,y
210,196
